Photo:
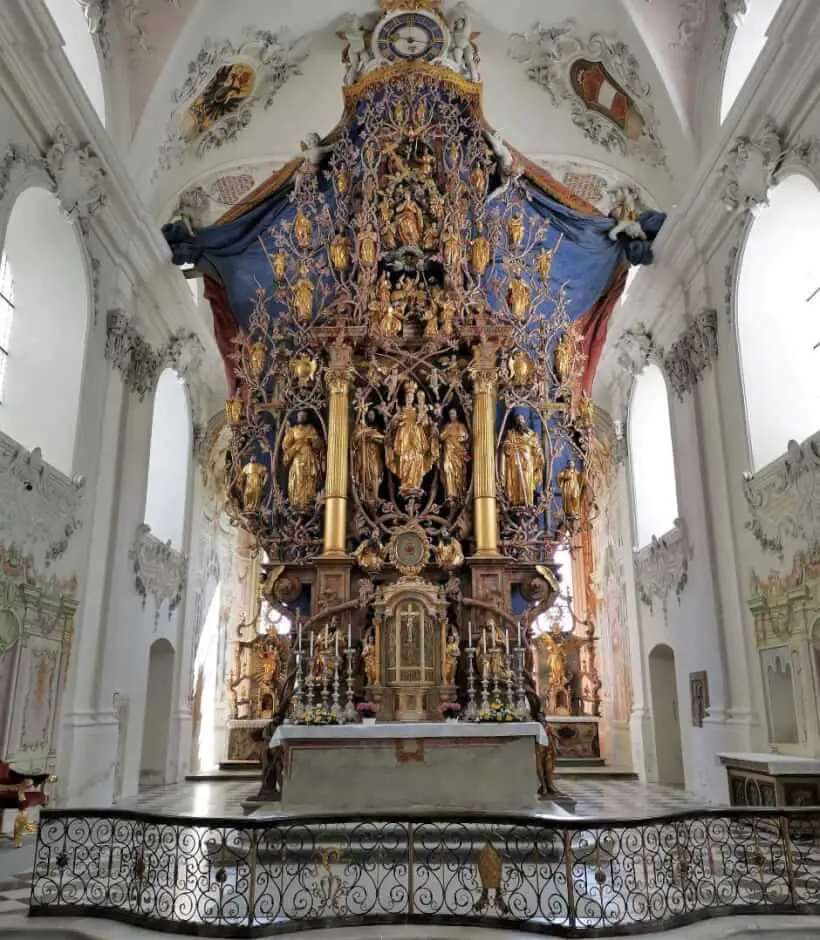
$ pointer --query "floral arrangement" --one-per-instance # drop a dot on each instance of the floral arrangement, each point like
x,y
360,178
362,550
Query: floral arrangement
x,y
496,711
449,709
319,715
367,709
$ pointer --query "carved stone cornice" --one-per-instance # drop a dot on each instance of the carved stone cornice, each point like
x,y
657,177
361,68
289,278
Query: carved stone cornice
x,y
692,354
784,498
548,54
662,567
40,508
753,163
159,570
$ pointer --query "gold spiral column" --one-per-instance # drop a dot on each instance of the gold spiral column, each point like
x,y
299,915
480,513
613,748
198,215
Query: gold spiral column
x,y
338,444
484,485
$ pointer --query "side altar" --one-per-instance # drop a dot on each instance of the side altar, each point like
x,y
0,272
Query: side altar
x,y
410,315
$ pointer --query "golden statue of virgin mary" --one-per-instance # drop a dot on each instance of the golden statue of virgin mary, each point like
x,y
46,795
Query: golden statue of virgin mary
x,y
412,442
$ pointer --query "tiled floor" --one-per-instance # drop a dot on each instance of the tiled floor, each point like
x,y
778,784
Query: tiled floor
x,y
594,796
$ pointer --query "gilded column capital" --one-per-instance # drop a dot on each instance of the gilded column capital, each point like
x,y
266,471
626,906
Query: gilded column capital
x,y
485,380
484,367
338,381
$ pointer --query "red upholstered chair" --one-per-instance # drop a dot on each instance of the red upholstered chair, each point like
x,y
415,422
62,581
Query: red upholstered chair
x,y
19,791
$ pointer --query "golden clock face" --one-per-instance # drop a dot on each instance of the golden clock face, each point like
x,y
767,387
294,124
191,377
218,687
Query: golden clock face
x,y
411,35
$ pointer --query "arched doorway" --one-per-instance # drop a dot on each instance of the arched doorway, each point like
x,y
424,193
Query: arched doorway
x,y
666,716
156,727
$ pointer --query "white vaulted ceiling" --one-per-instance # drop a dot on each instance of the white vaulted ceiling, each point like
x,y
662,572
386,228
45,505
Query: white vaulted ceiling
x,y
665,37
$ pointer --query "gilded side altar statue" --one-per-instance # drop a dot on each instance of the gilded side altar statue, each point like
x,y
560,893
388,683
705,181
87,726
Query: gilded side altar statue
x,y
368,457
522,463
302,451
455,444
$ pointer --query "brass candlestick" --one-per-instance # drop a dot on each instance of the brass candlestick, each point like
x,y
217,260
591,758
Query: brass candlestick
x,y
350,711
471,709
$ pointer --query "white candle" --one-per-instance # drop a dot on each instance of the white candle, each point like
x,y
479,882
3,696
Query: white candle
x,y
470,633
484,639
311,644
349,635
336,635
300,636
519,634
507,640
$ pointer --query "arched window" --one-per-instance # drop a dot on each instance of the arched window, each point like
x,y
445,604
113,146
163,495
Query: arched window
x,y
778,317
747,44
168,463
652,457
80,50
560,613
6,314
44,365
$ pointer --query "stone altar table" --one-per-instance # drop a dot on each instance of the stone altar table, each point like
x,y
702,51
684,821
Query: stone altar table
x,y
436,765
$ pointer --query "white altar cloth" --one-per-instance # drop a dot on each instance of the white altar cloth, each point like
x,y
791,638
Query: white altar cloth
x,y
410,729
406,765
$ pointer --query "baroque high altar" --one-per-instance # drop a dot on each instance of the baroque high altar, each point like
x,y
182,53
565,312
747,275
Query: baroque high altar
x,y
414,313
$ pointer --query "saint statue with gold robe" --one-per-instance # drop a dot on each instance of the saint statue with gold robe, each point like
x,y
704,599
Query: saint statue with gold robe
x,y
522,463
455,444
368,458
302,450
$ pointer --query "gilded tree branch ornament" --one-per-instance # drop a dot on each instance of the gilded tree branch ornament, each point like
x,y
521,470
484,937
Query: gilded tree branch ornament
x,y
408,248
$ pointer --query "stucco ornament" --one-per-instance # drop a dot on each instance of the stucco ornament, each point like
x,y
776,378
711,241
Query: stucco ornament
x,y
549,53
16,163
692,354
78,175
784,498
749,171
127,351
40,508
131,12
636,349
225,84
662,567
159,570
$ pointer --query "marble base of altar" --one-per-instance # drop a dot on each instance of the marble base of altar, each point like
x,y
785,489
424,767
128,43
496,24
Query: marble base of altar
x,y
431,765
578,738
772,780
242,746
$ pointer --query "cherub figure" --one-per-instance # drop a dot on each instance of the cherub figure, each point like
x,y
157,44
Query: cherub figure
x,y
312,149
462,51
356,54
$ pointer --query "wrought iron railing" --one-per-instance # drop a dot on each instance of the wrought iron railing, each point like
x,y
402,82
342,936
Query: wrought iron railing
x,y
571,877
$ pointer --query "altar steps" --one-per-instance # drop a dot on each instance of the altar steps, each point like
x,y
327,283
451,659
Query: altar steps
x,y
228,770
